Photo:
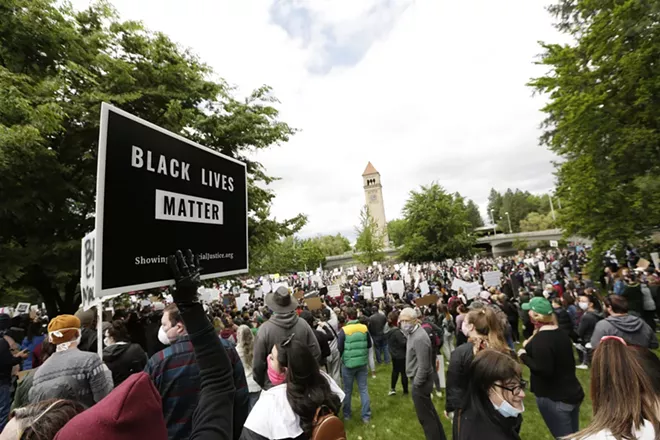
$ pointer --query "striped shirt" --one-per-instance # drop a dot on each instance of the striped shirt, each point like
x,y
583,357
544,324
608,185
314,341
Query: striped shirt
x,y
175,374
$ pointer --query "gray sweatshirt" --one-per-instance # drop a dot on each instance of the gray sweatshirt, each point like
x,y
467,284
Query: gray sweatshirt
x,y
72,374
274,331
419,357
632,329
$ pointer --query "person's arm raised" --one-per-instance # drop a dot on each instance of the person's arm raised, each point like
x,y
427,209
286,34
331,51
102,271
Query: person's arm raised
x,y
213,417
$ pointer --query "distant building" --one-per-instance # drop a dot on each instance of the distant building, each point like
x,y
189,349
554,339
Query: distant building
x,y
373,195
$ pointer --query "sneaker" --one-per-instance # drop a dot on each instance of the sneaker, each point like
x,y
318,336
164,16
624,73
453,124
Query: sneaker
x,y
366,421
392,393
582,367
373,376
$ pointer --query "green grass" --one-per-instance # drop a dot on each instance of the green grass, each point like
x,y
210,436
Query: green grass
x,y
393,417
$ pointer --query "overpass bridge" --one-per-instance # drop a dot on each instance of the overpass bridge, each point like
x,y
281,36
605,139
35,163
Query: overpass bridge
x,y
500,244
497,244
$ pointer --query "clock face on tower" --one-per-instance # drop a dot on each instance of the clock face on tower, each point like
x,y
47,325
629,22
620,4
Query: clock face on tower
x,y
373,197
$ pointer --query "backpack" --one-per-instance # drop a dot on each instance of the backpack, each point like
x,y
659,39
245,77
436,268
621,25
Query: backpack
x,y
327,426
436,341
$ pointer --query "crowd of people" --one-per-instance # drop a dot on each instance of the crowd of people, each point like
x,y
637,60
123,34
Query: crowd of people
x,y
284,365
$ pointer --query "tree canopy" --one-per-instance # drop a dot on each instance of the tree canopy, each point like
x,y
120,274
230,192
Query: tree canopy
x,y
369,243
438,226
56,67
474,216
519,204
397,229
603,118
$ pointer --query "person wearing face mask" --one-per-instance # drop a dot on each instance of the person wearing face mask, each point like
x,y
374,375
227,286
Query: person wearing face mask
x,y
494,399
175,373
420,368
299,389
549,356
70,370
122,357
591,315
483,330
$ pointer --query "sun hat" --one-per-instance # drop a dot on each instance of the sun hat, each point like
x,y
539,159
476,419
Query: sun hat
x,y
281,301
539,305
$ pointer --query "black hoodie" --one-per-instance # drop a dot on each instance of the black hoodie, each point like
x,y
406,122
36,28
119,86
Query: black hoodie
x,y
124,359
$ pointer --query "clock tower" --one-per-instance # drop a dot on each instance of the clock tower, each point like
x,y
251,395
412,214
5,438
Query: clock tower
x,y
373,194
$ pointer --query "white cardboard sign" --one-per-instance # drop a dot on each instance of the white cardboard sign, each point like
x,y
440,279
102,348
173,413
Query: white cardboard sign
x,y
87,271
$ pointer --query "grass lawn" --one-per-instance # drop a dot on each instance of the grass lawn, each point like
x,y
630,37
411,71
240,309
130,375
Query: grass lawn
x,y
394,417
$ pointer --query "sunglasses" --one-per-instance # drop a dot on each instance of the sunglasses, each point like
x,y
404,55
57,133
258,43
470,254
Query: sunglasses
x,y
516,390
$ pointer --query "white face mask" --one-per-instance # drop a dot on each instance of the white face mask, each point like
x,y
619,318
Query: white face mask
x,y
64,346
107,342
583,306
162,336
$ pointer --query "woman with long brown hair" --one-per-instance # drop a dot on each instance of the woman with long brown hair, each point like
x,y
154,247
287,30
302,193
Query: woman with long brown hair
x,y
483,330
625,390
549,355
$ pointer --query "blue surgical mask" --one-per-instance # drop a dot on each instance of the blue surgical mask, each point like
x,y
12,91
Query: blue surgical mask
x,y
507,410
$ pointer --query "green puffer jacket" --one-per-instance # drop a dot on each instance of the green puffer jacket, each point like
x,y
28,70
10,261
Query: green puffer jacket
x,y
353,341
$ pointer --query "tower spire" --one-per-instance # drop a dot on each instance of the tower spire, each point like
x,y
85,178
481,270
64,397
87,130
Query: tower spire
x,y
370,170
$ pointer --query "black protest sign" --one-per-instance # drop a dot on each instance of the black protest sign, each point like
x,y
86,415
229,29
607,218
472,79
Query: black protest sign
x,y
158,192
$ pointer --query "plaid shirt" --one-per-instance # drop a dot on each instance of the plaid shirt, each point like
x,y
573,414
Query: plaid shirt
x,y
175,373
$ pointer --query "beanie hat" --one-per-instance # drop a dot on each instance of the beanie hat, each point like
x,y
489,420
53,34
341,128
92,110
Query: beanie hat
x,y
132,411
63,328
86,317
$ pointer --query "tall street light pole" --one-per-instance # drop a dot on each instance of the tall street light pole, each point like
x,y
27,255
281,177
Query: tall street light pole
x,y
508,217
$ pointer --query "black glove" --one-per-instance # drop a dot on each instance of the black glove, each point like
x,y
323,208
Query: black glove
x,y
186,276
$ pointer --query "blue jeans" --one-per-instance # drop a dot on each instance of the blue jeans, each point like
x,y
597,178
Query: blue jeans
x,y
349,375
562,419
5,404
380,347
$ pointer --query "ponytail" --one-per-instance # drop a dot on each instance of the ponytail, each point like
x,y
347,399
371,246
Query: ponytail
x,y
490,330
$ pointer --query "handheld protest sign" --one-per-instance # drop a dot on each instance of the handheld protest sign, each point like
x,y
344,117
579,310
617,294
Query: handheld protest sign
x,y
426,300
156,192
314,303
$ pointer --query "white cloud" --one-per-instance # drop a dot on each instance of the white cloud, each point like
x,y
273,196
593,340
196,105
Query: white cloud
x,y
439,94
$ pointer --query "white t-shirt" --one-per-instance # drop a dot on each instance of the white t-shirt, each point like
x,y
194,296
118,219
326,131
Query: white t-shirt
x,y
645,433
272,416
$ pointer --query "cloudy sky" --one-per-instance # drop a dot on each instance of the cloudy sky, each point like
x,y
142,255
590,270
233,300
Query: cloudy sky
x,y
427,90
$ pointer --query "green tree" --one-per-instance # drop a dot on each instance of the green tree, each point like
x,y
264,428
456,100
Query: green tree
x,y
56,67
332,244
603,118
494,205
474,216
520,244
397,230
438,226
536,221
369,243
